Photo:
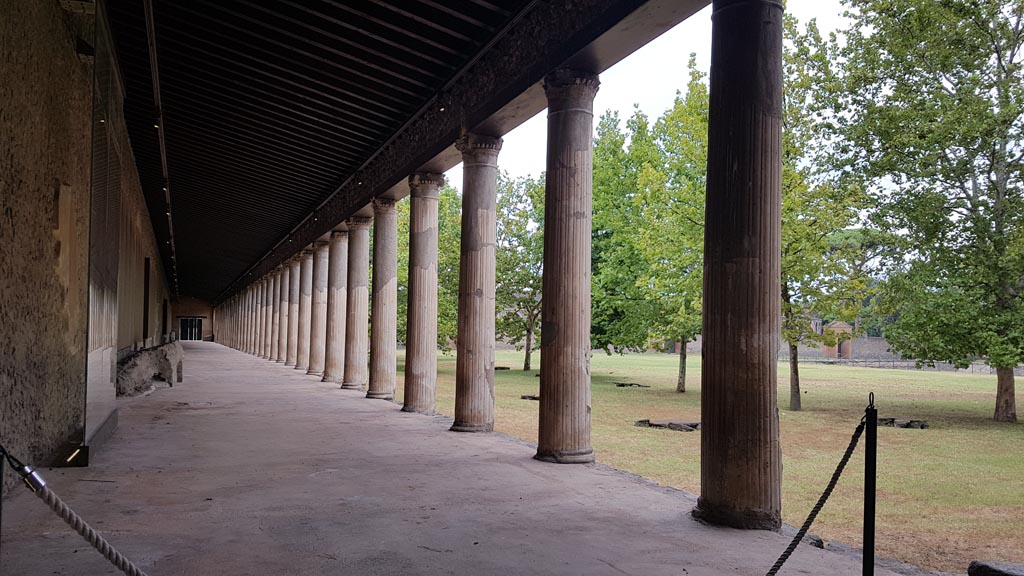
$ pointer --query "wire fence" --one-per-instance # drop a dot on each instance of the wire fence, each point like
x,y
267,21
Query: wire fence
x,y
898,364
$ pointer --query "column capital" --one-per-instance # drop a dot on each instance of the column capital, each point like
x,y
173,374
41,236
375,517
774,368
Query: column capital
x,y
425,184
306,252
571,86
471,142
320,244
383,205
339,234
358,222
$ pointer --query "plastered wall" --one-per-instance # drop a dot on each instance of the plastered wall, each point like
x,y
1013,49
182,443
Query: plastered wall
x,y
45,102
48,155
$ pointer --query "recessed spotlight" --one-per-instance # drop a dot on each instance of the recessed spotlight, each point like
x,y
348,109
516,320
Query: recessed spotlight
x,y
156,125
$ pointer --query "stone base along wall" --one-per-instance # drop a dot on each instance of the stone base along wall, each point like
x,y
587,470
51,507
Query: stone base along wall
x,y
45,128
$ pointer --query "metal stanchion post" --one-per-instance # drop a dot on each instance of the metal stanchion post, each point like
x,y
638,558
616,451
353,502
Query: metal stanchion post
x,y
870,465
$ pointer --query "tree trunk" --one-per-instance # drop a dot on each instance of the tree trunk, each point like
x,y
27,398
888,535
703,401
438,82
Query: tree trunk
x,y
794,378
681,382
1006,403
529,350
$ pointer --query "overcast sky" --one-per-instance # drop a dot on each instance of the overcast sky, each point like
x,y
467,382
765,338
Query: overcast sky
x,y
642,79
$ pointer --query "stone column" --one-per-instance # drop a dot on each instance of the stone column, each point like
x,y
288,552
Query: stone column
x,y
421,325
474,362
268,317
357,312
275,319
282,312
305,309
564,434
337,302
383,322
318,322
244,344
294,280
258,311
740,456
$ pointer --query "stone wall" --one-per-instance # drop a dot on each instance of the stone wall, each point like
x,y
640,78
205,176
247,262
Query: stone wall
x,y
45,103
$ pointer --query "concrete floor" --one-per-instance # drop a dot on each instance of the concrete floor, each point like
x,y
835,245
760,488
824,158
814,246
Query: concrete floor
x,y
253,468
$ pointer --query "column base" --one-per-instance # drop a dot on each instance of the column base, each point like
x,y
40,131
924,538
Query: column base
x,y
353,386
380,395
742,519
328,377
581,457
297,367
468,427
317,373
287,363
413,410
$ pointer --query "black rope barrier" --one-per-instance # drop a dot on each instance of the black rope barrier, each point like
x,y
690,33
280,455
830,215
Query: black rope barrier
x,y
857,432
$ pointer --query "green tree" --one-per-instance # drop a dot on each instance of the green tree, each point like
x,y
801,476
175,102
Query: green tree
x,y
817,281
620,313
519,262
670,200
931,117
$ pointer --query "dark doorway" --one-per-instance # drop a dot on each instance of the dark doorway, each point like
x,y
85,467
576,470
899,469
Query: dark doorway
x,y
145,301
191,329
163,321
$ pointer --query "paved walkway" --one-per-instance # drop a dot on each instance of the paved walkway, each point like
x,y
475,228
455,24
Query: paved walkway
x,y
253,468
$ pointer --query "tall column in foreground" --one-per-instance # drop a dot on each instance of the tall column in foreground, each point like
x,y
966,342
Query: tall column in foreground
x,y
474,363
357,312
305,309
564,434
318,322
337,302
383,328
294,280
740,456
282,313
421,324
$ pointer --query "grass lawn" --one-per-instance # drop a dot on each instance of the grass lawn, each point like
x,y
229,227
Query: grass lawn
x,y
946,495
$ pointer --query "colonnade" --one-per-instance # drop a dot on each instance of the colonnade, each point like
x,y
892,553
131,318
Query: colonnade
x,y
318,300
319,313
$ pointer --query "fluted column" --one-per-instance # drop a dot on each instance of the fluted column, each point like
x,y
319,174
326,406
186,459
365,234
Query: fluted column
x,y
474,362
261,293
564,434
318,321
421,324
740,455
275,319
268,319
294,282
244,311
282,313
383,329
305,309
337,302
246,320
357,312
